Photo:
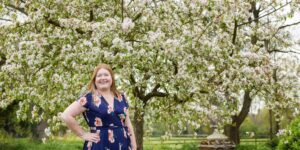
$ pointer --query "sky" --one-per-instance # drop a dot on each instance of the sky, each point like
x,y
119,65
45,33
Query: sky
x,y
295,32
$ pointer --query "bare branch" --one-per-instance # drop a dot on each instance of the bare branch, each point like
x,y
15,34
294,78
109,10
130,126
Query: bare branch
x,y
267,14
282,51
288,25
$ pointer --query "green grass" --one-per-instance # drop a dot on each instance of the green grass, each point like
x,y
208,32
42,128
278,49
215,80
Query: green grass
x,y
150,143
27,144
253,147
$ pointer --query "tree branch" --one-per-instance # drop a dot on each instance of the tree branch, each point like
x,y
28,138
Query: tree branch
x,y
136,91
5,19
156,88
21,10
234,36
245,109
281,51
175,65
234,31
203,91
3,59
250,21
137,41
122,9
155,93
56,23
288,25
91,15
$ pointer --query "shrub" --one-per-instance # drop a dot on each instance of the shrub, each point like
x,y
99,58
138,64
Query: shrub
x,y
273,143
290,138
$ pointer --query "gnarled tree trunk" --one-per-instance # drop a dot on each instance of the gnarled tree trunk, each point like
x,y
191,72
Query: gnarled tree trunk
x,y
232,130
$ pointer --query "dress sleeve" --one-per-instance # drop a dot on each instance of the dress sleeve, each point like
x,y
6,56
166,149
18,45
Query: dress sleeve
x,y
125,101
84,100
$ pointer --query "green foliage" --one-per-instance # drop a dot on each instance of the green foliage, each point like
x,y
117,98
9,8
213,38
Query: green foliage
x,y
273,143
248,126
291,137
259,124
10,125
3,134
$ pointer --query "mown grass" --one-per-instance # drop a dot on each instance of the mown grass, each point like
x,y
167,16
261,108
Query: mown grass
x,y
27,144
152,143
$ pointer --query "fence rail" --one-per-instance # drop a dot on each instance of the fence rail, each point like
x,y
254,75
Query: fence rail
x,y
179,140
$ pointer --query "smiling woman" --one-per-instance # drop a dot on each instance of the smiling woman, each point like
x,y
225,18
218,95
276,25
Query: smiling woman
x,y
105,110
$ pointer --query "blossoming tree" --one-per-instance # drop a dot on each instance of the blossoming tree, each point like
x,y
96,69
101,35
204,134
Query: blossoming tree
x,y
193,58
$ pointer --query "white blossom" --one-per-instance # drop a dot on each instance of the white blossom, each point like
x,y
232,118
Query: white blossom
x,y
48,131
127,24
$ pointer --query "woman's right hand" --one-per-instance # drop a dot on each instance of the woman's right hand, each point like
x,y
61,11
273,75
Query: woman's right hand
x,y
92,137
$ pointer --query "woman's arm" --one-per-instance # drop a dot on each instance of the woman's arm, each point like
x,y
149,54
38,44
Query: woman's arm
x,y
131,131
68,116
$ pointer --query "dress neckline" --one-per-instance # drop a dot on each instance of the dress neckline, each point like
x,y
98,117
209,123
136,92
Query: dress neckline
x,y
114,99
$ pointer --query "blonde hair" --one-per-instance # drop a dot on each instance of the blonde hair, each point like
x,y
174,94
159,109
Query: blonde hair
x,y
92,86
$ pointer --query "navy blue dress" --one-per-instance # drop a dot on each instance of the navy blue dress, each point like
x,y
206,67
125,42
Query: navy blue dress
x,y
108,122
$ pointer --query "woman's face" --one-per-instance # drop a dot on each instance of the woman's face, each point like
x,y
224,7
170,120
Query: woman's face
x,y
103,80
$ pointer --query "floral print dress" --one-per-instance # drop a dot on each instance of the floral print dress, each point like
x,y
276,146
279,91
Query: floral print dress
x,y
108,122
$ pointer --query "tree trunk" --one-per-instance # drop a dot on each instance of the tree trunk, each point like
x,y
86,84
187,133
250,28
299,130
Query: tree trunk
x,y
277,127
139,92
139,126
271,124
232,131
38,130
234,134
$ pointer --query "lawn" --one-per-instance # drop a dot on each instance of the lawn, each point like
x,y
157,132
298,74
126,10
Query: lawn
x,y
152,143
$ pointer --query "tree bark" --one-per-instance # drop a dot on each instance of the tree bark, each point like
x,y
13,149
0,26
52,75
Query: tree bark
x,y
139,92
277,127
271,124
138,130
232,131
38,130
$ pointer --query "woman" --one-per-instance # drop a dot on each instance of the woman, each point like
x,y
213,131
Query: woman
x,y
106,112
